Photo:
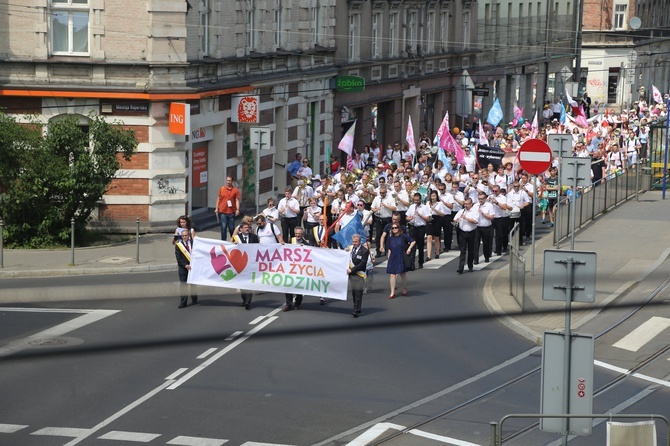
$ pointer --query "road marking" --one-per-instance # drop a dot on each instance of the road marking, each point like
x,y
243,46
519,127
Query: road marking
x,y
87,317
176,374
211,350
440,438
214,358
254,443
137,437
61,432
634,340
257,320
119,414
234,335
11,428
429,398
196,441
636,375
373,432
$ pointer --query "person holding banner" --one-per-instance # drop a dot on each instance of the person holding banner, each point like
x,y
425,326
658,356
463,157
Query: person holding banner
x,y
356,272
299,239
182,251
246,236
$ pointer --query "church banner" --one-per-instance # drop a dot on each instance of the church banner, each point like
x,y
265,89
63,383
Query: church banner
x,y
272,267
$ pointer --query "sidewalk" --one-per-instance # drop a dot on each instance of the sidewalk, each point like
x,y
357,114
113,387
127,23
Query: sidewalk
x,y
631,241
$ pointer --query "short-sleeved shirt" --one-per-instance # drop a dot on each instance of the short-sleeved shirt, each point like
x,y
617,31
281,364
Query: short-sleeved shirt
x,y
228,199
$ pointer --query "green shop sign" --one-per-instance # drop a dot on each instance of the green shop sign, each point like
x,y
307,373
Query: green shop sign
x,y
348,83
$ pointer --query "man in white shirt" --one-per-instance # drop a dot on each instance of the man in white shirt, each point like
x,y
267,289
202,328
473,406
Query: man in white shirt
x,y
402,201
418,215
289,210
516,201
447,199
500,220
484,231
383,207
528,187
467,220
267,232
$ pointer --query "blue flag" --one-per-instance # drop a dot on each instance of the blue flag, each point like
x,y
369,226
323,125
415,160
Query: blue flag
x,y
495,114
563,118
355,226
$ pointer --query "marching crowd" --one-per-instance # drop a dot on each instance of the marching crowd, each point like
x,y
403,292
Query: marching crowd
x,y
415,206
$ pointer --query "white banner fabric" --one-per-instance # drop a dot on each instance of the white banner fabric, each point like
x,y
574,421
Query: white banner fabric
x,y
272,267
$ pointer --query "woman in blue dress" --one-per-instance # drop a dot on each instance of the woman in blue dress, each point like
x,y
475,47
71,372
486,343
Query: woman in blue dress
x,y
397,245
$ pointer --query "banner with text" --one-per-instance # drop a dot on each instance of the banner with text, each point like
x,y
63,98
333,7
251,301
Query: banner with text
x,y
270,267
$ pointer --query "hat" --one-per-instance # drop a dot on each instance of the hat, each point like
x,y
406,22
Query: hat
x,y
380,165
316,177
464,142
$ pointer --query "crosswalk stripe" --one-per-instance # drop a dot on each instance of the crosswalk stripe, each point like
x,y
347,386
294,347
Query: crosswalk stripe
x,y
61,432
11,428
442,439
634,340
196,441
254,443
138,437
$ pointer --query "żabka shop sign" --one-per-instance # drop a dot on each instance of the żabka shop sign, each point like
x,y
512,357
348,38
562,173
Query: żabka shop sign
x,y
349,84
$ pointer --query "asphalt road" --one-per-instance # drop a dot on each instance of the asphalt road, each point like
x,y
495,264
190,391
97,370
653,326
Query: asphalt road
x,y
155,374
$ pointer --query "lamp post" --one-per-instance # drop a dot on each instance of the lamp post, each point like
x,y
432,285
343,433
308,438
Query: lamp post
x,y
665,155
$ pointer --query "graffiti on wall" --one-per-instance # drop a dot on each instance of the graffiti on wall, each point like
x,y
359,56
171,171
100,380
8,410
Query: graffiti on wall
x,y
164,187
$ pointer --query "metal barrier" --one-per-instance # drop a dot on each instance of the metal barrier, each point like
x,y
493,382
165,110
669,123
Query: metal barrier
x,y
596,200
517,268
497,429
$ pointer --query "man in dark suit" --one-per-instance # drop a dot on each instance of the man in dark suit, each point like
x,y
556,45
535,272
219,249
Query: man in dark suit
x,y
246,236
182,251
356,272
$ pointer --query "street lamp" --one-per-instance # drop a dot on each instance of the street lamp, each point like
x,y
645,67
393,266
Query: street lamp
x,y
665,156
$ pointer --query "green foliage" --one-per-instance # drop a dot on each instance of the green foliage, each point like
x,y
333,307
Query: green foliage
x,y
55,173
249,187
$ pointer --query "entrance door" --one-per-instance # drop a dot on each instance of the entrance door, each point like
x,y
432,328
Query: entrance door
x,y
612,85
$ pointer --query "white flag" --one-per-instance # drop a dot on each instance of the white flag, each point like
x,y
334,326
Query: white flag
x,y
658,97
347,143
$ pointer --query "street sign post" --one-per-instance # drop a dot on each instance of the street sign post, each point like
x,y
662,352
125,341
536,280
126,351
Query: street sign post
x,y
259,139
535,156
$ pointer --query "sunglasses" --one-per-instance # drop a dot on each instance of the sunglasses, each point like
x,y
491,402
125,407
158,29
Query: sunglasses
x,y
394,227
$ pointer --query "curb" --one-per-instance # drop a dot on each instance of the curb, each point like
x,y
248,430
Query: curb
x,y
86,271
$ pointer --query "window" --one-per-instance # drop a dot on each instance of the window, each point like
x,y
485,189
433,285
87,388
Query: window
x,y
619,16
353,37
278,24
204,27
444,30
410,33
393,36
376,33
69,27
251,24
466,30
316,23
430,33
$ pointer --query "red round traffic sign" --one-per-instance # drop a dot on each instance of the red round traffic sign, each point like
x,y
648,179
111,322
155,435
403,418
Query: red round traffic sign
x,y
535,156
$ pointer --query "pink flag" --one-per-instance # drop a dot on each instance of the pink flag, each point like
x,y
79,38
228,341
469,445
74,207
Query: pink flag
x,y
577,110
347,143
443,129
534,127
448,143
658,97
411,144
350,163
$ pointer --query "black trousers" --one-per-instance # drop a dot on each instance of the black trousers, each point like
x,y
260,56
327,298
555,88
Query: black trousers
x,y
418,234
288,225
448,229
356,283
527,220
185,288
484,234
246,298
501,234
298,299
379,225
467,246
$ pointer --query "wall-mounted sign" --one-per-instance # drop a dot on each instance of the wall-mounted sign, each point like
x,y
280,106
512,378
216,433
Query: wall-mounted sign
x,y
202,134
179,118
348,84
245,109
480,91
124,108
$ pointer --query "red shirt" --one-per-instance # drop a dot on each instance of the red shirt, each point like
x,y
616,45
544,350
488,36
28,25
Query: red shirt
x,y
228,195
334,167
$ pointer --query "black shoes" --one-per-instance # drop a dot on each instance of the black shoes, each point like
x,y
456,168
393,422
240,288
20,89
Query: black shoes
x,y
355,314
460,271
182,306
288,307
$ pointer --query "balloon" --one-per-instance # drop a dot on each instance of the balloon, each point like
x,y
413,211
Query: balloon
x,y
521,121
456,130
605,123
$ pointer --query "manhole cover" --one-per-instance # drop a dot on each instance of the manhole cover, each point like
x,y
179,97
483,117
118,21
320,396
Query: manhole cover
x,y
48,342
115,260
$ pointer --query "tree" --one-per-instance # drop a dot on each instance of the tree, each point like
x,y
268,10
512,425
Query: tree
x,y
53,173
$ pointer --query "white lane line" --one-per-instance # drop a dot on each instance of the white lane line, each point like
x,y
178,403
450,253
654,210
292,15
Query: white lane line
x,y
137,437
88,317
255,443
374,432
118,414
11,428
176,374
47,310
270,314
443,260
440,438
210,351
636,375
61,432
216,357
634,340
234,335
257,320
196,441
429,398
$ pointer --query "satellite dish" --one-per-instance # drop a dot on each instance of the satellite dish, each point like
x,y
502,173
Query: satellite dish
x,y
635,23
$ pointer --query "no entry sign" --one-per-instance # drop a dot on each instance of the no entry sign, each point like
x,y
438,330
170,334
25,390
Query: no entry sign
x,y
535,156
